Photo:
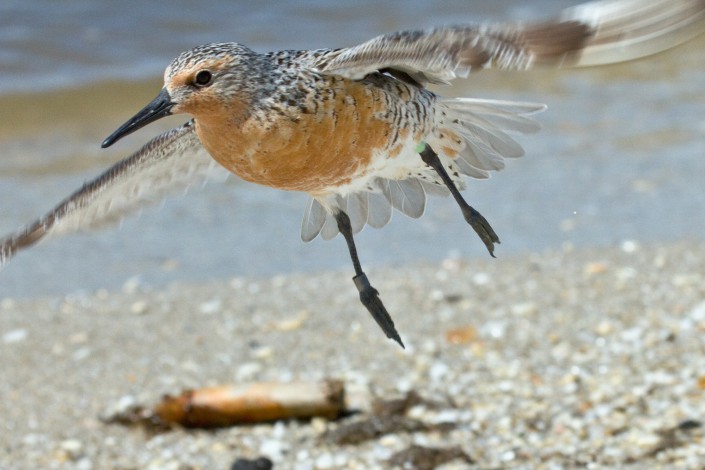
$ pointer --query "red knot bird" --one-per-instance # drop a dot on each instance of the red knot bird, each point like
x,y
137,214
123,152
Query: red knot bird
x,y
356,128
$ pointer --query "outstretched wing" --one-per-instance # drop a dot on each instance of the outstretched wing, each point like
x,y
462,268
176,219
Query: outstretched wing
x,y
593,33
171,161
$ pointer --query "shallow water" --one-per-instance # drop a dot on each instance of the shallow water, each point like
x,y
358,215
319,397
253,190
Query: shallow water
x,y
621,156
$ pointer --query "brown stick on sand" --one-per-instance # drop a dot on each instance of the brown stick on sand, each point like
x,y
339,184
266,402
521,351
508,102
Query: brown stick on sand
x,y
235,404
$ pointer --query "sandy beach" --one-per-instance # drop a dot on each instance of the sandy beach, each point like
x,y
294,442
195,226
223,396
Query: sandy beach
x,y
553,360
581,345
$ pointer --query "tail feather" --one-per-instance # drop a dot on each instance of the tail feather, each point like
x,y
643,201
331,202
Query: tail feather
x,y
484,126
496,139
357,209
313,220
477,161
472,139
379,210
408,197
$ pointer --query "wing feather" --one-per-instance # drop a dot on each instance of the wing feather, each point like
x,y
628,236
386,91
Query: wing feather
x,y
593,33
168,163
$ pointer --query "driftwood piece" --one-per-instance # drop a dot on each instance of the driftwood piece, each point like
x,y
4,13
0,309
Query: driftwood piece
x,y
228,405
253,403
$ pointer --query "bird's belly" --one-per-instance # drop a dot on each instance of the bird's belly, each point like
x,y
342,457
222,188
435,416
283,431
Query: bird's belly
x,y
311,154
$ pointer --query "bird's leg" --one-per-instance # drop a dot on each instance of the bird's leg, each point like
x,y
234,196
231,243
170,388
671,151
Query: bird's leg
x,y
474,218
368,294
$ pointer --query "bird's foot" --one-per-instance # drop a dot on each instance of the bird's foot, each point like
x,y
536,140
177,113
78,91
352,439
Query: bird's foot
x,y
370,299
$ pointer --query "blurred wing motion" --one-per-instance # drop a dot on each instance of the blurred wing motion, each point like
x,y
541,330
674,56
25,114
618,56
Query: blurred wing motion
x,y
593,33
630,29
168,162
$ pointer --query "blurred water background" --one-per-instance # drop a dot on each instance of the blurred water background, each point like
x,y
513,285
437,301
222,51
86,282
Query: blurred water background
x,y
621,157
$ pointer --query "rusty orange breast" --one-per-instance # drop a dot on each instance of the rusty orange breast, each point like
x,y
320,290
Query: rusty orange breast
x,y
310,147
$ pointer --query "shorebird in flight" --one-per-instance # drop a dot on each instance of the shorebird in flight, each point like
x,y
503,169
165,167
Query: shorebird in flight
x,y
356,128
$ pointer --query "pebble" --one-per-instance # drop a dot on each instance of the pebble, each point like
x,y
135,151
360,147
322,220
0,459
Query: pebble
x,y
325,461
72,449
211,307
273,448
523,309
139,307
438,371
132,285
697,313
481,279
15,336
292,323
248,371
629,246
81,353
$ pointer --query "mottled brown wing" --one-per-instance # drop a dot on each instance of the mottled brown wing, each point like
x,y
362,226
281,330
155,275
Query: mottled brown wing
x,y
169,162
589,34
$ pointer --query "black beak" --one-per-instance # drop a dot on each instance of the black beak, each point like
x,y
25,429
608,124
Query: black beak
x,y
158,108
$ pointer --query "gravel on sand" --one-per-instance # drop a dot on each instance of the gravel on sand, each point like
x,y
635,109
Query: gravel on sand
x,y
561,359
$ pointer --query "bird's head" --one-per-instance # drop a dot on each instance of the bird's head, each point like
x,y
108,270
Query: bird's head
x,y
213,79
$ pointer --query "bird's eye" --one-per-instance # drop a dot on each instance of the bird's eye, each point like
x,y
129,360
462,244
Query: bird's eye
x,y
203,78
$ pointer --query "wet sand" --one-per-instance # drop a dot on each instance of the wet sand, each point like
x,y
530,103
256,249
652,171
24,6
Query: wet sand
x,y
552,360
